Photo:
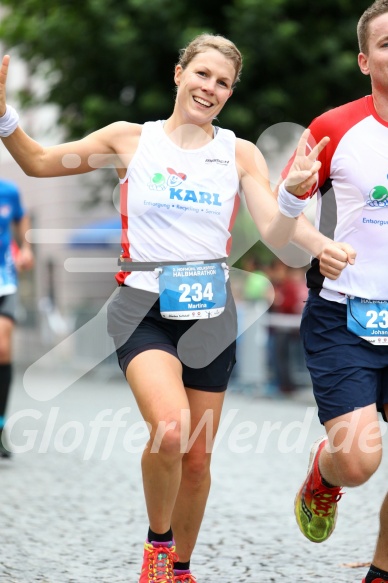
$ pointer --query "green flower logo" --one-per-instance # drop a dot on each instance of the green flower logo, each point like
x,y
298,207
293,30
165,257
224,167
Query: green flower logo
x,y
158,179
378,194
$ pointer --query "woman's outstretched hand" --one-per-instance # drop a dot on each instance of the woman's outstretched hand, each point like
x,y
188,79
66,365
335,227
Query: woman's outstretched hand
x,y
303,173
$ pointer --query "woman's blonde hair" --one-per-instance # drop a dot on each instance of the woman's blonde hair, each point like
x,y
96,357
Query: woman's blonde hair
x,y
212,41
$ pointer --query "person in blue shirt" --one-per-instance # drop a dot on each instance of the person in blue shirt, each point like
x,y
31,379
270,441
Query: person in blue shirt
x,y
15,255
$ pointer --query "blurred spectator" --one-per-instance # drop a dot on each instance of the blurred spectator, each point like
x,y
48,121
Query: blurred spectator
x,y
284,345
252,297
14,257
256,283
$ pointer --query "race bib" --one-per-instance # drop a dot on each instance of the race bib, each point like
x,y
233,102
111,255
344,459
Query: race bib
x,y
368,319
192,292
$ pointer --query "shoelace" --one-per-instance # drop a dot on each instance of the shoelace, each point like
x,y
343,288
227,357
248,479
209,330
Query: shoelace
x,y
324,500
161,565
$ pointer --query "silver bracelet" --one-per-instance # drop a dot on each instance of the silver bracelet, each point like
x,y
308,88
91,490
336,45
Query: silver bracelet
x,y
8,122
290,205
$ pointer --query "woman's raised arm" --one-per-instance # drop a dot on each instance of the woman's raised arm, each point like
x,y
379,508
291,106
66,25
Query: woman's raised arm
x,y
98,149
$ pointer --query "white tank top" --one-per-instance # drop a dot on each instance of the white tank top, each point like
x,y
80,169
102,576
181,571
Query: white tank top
x,y
177,204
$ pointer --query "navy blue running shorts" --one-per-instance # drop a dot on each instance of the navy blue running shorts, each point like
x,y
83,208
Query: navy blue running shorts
x,y
206,347
346,372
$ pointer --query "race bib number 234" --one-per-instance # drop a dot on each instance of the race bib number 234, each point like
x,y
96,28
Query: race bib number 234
x,y
191,292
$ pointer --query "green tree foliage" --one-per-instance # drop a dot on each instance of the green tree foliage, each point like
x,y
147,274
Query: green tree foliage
x,y
107,60
300,59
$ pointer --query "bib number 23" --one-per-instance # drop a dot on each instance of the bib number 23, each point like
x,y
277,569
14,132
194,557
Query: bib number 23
x,y
368,319
377,319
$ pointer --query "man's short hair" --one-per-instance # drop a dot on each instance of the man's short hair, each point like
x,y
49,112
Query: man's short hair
x,y
376,9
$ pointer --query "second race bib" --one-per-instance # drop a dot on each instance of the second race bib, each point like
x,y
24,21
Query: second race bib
x,y
368,319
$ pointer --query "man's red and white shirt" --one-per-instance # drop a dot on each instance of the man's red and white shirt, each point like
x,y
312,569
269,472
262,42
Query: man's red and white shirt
x,y
352,198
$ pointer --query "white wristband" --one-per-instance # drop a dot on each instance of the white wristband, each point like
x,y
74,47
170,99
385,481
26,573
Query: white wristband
x,y
8,122
290,205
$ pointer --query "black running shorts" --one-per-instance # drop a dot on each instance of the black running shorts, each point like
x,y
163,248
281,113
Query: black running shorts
x,y
206,348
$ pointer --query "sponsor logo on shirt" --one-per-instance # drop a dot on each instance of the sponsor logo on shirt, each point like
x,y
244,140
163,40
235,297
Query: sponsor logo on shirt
x,y
216,161
173,180
378,197
160,182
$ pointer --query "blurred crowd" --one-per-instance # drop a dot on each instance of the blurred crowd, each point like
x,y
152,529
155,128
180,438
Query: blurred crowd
x,y
271,298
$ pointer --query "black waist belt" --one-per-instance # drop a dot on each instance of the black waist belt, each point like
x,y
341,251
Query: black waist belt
x,y
151,265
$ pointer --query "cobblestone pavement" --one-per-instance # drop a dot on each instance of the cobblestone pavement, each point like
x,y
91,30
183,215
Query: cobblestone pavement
x,y
72,506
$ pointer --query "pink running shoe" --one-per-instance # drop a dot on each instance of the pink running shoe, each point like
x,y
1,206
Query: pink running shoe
x,y
158,562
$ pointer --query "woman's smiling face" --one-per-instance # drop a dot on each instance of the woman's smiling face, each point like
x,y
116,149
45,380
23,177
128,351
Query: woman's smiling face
x,y
204,86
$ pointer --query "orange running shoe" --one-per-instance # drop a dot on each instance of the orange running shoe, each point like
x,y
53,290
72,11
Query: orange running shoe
x,y
158,562
315,504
